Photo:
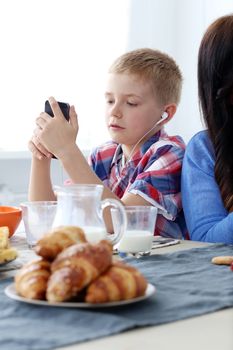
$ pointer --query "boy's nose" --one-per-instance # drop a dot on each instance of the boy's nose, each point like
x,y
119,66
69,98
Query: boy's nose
x,y
116,111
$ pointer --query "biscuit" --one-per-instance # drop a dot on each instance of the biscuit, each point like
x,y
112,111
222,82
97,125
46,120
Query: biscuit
x,y
4,235
222,260
8,255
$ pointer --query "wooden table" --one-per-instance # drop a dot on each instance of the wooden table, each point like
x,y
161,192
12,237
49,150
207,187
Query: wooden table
x,y
212,331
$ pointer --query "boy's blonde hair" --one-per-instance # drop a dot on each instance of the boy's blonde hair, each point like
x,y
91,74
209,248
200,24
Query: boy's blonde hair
x,y
153,66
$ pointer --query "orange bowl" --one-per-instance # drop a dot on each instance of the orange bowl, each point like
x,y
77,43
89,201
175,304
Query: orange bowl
x,y
11,217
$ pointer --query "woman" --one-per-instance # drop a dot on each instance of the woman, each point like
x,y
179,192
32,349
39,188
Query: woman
x,y
207,174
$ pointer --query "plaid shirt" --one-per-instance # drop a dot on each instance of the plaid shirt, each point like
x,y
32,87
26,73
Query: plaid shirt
x,y
153,173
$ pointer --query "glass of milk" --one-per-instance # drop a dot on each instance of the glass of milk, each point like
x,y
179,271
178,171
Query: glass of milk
x,y
138,237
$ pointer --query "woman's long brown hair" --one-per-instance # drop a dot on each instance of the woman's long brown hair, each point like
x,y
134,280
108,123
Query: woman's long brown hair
x,y
215,88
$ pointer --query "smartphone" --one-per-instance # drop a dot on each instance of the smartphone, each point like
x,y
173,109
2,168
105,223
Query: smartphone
x,y
65,108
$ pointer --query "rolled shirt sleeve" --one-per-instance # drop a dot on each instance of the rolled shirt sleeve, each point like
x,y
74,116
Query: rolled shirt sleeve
x,y
159,183
153,172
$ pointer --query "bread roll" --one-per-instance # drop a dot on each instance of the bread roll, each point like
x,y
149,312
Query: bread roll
x,y
31,280
57,240
119,282
76,267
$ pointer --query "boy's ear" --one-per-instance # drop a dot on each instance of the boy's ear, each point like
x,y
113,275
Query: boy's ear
x,y
170,110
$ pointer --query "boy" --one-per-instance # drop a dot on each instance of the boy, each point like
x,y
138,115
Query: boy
x,y
142,164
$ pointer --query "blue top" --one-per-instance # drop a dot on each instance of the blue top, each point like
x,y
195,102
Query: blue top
x,y
206,217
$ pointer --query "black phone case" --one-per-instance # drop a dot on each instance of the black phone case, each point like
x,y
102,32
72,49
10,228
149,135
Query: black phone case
x,y
65,108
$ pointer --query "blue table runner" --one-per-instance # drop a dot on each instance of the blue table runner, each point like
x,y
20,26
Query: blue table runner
x,y
187,285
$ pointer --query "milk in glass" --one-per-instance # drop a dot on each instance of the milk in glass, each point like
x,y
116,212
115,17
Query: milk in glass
x,y
94,234
135,241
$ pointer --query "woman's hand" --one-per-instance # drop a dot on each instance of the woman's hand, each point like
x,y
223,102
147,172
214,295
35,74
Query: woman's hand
x,y
55,135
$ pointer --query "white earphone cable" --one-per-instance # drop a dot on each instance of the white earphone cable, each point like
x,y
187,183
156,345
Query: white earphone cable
x,y
124,161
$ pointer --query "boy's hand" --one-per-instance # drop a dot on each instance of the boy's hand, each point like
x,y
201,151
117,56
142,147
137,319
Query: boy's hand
x,y
56,134
37,149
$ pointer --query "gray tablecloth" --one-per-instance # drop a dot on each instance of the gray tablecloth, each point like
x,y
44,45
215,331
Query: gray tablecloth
x,y
187,285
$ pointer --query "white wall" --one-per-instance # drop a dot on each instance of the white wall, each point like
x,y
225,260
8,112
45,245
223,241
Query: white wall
x,y
57,48
14,176
176,27
173,26
60,48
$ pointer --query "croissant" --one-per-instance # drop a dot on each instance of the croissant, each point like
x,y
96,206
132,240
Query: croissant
x,y
76,267
31,280
57,240
119,282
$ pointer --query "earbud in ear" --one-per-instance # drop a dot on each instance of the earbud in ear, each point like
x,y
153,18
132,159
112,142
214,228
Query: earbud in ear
x,y
163,117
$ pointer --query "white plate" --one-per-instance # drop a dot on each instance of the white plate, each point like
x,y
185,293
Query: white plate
x,y
11,293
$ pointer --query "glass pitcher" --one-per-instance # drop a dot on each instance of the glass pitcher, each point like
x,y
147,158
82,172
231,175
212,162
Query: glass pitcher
x,y
81,205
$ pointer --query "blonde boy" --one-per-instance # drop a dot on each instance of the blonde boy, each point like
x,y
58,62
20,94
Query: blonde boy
x,y
141,165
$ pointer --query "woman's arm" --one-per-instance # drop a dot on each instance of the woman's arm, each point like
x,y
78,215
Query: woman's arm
x,y
206,217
